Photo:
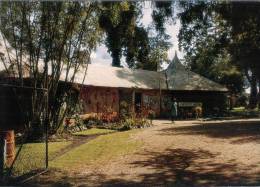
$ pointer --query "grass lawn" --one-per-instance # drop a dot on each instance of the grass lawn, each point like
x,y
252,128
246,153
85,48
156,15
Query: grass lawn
x,y
98,151
242,111
238,109
32,156
93,131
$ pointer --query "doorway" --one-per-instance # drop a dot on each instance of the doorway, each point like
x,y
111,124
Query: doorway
x,y
138,102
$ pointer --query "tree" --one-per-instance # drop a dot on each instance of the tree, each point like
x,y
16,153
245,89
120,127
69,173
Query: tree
x,y
245,35
52,41
211,28
118,20
126,36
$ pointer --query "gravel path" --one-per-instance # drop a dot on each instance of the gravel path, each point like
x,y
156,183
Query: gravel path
x,y
187,153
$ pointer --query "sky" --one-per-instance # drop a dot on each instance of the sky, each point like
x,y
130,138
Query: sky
x,y
101,56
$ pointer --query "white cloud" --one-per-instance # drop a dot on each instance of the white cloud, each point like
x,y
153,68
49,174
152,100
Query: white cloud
x,y
101,56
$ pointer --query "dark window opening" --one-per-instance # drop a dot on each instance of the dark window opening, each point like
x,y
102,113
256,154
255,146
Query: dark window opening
x,y
138,102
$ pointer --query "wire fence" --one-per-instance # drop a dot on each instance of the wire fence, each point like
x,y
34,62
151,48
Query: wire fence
x,y
20,154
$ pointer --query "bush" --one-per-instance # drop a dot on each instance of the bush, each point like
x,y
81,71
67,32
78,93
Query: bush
x,y
134,123
74,124
124,110
109,120
151,115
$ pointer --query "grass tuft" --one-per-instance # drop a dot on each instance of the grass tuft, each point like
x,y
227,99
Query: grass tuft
x,y
93,131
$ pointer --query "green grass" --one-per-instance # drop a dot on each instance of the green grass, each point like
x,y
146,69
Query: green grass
x,y
239,109
99,150
243,110
93,131
32,156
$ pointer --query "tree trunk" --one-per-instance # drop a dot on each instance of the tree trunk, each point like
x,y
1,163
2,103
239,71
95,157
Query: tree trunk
x,y
116,58
253,92
258,95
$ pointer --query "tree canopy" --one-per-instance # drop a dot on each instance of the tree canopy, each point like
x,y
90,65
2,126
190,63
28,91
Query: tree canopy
x,y
210,30
126,36
52,41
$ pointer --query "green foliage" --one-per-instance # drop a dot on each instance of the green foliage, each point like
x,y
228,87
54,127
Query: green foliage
x,y
243,112
151,114
162,12
221,41
118,20
133,123
124,110
49,36
125,36
128,120
204,37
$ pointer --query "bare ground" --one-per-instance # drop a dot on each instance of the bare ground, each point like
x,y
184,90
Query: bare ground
x,y
187,153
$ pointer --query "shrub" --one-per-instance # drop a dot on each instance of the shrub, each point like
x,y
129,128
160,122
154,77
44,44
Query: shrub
x,y
134,123
124,110
74,124
151,115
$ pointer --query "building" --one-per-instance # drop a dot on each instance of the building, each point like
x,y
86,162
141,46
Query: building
x,y
106,87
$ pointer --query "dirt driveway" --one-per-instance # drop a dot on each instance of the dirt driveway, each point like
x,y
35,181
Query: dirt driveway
x,y
187,153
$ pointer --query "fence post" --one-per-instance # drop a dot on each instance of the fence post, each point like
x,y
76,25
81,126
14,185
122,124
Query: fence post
x,y
2,155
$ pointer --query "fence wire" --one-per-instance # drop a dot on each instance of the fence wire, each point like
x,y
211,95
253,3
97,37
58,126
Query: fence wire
x,y
31,156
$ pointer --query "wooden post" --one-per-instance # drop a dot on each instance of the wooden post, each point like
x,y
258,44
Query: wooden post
x,y
133,102
10,147
160,95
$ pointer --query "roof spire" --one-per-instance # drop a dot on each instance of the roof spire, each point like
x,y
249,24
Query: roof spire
x,y
175,58
175,63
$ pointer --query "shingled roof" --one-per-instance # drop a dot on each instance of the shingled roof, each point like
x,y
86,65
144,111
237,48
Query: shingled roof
x,y
100,75
180,78
175,77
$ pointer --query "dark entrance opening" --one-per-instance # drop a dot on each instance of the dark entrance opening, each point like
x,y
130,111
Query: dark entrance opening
x,y
125,96
138,102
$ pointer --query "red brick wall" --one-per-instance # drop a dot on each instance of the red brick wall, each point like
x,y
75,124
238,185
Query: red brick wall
x,y
99,99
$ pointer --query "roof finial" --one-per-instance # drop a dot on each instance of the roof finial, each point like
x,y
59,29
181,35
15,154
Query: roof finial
x,y
175,58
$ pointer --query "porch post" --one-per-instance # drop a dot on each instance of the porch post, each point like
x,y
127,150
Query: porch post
x,y
133,102
160,99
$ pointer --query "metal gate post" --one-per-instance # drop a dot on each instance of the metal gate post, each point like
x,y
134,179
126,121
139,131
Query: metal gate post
x,y
2,156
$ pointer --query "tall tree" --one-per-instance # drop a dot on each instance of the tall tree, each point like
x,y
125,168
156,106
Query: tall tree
x,y
126,36
52,41
245,40
118,20
209,28
204,38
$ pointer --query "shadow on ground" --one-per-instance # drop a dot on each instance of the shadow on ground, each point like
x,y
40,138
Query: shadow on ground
x,y
243,131
174,167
